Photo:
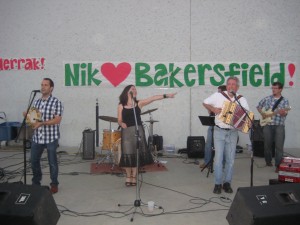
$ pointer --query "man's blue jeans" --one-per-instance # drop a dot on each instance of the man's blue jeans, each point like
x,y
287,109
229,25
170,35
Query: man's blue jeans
x,y
36,154
274,133
225,146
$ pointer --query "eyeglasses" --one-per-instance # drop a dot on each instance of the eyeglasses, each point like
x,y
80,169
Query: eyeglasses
x,y
275,88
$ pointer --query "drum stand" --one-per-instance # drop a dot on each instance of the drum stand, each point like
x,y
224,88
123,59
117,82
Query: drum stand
x,y
110,155
153,149
209,121
210,164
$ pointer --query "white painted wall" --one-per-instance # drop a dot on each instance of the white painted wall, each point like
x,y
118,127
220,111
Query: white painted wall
x,y
150,31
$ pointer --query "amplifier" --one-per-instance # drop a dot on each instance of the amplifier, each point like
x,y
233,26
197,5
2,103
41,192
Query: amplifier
x,y
289,170
258,134
195,146
88,146
258,149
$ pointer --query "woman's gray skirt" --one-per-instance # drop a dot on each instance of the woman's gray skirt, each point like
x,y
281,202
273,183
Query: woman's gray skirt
x,y
129,148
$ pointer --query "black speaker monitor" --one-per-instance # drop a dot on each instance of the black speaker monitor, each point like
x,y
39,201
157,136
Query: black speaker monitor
x,y
195,146
88,148
27,205
266,205
259,149
258,134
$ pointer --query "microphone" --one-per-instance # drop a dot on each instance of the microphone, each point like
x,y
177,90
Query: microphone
x,y
36,91
131,93
232,92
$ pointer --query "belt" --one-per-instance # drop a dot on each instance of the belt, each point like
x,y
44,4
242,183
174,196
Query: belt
x,y
223,128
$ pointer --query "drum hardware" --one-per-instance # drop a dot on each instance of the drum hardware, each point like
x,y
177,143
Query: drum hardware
x,y
152,121
112,143
113,156
149,111
109,119
116,153
153,149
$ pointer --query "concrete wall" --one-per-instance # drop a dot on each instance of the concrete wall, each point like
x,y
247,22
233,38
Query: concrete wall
x,y
151,31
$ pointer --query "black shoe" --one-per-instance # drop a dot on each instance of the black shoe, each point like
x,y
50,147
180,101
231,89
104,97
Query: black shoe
x,y
217,189
227,188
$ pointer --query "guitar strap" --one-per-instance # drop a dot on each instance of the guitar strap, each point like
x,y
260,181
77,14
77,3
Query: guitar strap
x,y
277,103
226,96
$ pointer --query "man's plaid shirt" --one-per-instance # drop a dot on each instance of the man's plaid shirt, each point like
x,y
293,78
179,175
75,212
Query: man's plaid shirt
x,y
268,103
49,109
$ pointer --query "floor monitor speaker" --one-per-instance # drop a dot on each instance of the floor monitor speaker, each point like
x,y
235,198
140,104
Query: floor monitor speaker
x,y
88,147
258,149
27,205
266,205
195,146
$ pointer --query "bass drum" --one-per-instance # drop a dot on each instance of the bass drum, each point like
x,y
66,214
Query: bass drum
x,y
109,138
116,152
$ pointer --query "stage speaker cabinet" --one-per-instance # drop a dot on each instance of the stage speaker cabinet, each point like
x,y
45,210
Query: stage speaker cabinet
x,y
259,149
258,140
266,205
88,147
27,205
258,134
158,141
195,146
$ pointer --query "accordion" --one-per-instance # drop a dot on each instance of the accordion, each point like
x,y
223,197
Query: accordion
x,y
234,115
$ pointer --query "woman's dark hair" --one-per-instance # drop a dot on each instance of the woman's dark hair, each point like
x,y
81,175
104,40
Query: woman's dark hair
x,y
124,97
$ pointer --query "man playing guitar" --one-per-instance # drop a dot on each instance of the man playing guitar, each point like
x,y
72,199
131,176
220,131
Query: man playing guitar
x,y
274,129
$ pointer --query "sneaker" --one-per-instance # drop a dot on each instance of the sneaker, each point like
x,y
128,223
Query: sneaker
x,y
202,165
269,164
227,188
54,189
217,189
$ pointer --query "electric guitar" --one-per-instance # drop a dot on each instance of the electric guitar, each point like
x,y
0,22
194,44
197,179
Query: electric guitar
x,y
268,115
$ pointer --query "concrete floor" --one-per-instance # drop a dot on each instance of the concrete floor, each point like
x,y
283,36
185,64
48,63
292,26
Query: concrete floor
x,y
182,195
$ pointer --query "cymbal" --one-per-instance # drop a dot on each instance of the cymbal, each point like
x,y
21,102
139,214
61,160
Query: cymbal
x,y
149,111
109,119
152,121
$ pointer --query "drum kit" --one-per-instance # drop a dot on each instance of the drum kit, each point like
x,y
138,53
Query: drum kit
x,y
112,139
111,142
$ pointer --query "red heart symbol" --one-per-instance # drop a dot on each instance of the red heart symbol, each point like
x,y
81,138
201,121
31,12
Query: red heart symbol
x,y
115,75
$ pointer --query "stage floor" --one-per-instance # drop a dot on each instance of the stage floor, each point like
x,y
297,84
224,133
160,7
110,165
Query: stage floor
x,y
182,194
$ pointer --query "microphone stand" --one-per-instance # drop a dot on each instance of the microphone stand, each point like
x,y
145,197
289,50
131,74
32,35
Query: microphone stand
x,y
251,135
137,202
23,125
